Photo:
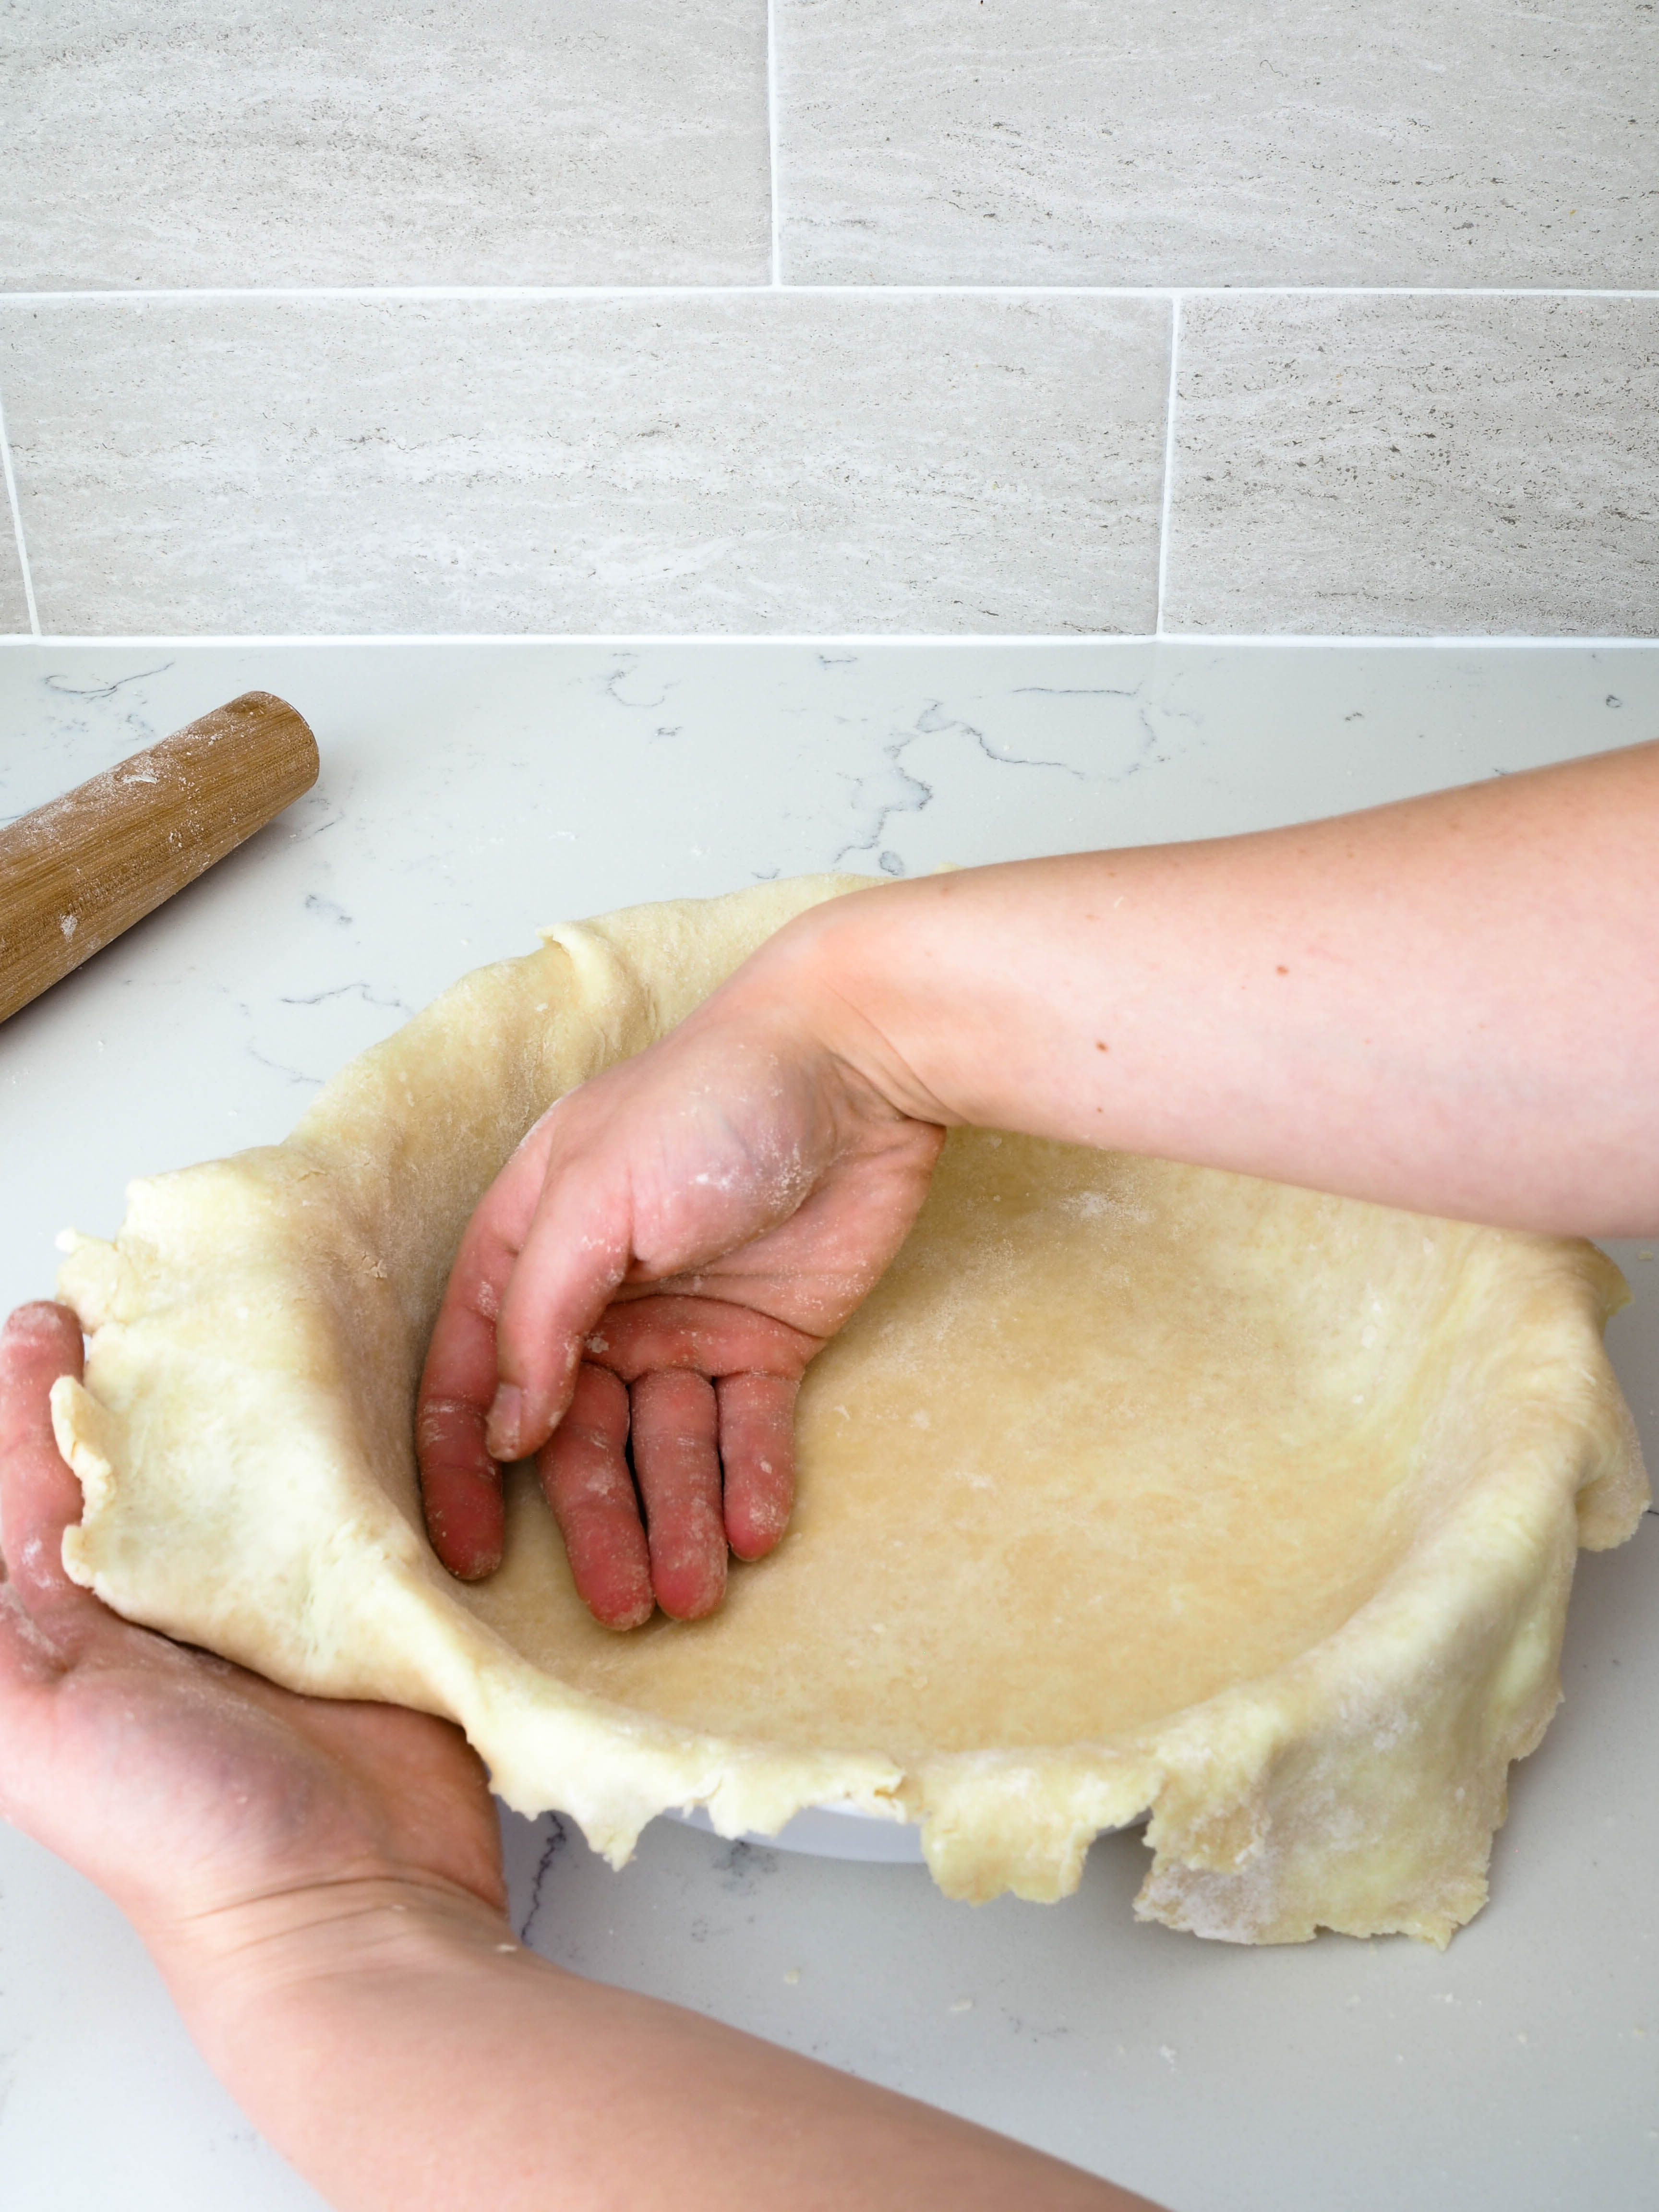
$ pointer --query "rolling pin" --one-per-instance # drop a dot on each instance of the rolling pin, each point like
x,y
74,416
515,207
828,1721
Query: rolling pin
x,y
82,868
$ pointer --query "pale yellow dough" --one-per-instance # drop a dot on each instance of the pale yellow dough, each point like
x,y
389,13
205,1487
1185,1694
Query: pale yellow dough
x,y
1132,1487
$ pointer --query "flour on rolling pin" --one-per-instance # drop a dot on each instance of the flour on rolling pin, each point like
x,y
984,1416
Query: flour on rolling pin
x,y
80,870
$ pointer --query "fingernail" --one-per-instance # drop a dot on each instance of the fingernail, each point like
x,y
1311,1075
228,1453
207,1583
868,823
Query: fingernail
x,y
505,1419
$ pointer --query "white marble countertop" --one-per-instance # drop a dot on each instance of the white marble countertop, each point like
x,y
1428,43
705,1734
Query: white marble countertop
x,y
470,793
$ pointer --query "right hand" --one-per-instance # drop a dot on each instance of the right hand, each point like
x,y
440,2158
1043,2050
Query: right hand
x,y
663,1254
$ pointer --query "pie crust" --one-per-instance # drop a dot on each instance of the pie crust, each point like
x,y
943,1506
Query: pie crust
x,y
1132,1489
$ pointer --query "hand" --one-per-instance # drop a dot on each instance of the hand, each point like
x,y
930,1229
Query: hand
x,y
663,1255
194,1793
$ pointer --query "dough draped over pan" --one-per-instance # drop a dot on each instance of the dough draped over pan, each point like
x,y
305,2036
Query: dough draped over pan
x,y
1132,1488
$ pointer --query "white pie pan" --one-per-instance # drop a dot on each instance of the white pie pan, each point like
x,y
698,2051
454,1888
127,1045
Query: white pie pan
x,y
830,1832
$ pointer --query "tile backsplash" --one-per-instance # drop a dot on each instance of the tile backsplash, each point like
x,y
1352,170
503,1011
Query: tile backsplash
x,y
716,462
363,141
1312,141
1408,462
943,317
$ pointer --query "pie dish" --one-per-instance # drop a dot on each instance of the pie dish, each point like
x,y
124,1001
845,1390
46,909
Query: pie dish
x,y
1133,1489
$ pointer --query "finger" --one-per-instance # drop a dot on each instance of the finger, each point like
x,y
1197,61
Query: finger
x,y
460,1486
758,1453
460,1482
585,1478
674,1427
39,1496
574,1256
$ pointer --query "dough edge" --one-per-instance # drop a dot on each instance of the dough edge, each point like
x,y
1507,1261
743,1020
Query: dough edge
x,y
251,1330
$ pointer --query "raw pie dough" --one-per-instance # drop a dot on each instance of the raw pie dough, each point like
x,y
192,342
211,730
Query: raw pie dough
x,y
1133,1486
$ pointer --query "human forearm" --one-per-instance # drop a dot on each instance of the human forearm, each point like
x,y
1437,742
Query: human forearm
x,y
1451,1003
518,2087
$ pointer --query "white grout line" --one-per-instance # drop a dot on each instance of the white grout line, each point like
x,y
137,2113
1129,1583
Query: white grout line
x,y
398,292
17,525
614,641
772,138
1169,460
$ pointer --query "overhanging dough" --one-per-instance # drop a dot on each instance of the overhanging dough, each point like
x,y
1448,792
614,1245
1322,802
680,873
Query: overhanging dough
x,y
1133,1487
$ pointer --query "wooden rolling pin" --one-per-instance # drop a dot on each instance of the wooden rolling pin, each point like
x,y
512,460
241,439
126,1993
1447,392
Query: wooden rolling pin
x,y
80,870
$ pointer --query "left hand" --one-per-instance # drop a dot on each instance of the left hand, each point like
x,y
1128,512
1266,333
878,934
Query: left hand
x,y
200,1797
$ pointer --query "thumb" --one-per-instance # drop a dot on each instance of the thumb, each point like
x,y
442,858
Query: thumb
x,y
39,1496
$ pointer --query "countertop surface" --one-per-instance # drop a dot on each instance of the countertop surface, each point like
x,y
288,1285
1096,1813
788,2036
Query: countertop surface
x,y
470,793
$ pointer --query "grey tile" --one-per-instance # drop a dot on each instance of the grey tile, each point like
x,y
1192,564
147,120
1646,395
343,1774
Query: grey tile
x,y
1417,464
726,462
1313,142
362,143
14,606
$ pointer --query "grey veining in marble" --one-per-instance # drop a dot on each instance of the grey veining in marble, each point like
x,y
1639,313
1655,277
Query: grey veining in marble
x,y
724,463
1318,141
470,793
360,142
1404,465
